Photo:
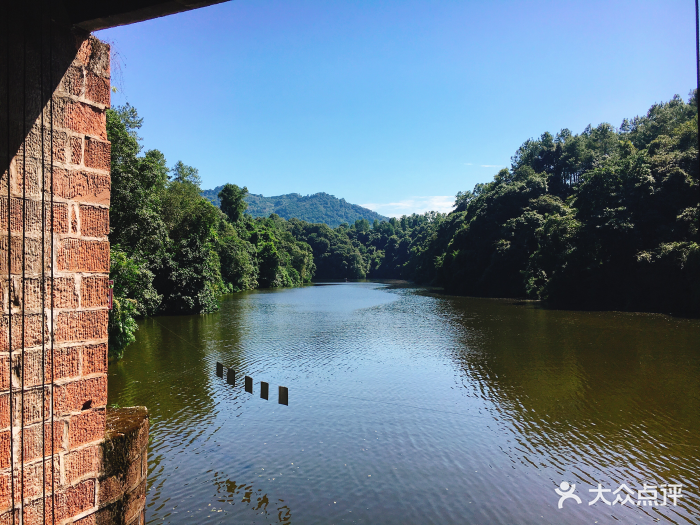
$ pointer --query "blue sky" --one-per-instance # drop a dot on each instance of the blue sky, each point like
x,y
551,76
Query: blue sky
x,y
396,105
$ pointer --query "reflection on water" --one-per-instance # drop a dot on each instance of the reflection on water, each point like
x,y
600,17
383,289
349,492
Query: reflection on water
x,y
406,407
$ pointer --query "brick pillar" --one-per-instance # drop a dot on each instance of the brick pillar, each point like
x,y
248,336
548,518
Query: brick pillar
x,y
55,76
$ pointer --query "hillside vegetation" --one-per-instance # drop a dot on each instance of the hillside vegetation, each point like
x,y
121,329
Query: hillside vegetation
x,y
316,208
604,219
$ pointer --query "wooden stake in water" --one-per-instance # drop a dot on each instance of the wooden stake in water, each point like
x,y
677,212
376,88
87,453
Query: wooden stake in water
x,y
283,395
264,389
249,384
219,369
231,376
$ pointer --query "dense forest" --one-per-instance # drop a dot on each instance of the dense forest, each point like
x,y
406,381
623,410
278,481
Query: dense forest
x,y
604,219
316,208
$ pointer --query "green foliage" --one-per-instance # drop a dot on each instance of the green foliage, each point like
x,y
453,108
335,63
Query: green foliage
x,y
175,252
122,326
233,201
604,219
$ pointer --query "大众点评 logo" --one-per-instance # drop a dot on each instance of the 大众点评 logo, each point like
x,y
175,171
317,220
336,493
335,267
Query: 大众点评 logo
x,y
649,496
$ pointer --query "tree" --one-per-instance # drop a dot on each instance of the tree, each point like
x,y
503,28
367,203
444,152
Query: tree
x,y
233,202
186,174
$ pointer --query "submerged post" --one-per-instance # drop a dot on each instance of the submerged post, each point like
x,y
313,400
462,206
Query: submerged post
x,y
283,395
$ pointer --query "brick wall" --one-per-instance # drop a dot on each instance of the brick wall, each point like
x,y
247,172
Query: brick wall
x,y
52,424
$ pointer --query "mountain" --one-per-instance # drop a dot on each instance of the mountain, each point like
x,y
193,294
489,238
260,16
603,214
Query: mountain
x,y
316,208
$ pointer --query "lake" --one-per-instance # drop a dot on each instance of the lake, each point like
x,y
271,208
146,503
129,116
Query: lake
x,y
409,407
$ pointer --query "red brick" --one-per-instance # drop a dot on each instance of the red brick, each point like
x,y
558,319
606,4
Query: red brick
x,y
97,154
76,150
84,50
94,221
78,255
97,89
28,179
83,186
4,449
109,490
33,440
33,145
8,519
32,255
34,474
69,502
86,427
67,363
99,57
32,406
73,81
93,292
82,463
60,218
80,118
4,372
81,326
87,520
32,335
29,217
5,502
5,411
73,220
94,359
80,395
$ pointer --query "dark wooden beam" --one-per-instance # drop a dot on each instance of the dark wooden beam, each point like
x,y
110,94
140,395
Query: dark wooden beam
x,y
92,15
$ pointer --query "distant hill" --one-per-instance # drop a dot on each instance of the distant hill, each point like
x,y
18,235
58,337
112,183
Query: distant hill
x,y
316,208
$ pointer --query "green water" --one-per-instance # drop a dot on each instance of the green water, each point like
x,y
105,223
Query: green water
x,y
407,407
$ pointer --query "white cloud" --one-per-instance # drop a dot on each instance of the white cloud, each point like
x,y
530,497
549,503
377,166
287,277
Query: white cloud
x,y
441,203
467,163
492,166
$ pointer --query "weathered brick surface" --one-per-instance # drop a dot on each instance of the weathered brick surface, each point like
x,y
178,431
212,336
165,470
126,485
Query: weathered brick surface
x,y
94,359
65,294
32,402
80,117
81,195
97,89
94,292
32,331
73,81
82,463
5,502
5,410
94,221
81,326
36,475
82,186
4,372
135,502
86,427
67,365
4,449
33,440
78,255
28,216
81,394
76,150
69,502
87,520
29,176
8,519
97,154
30,256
